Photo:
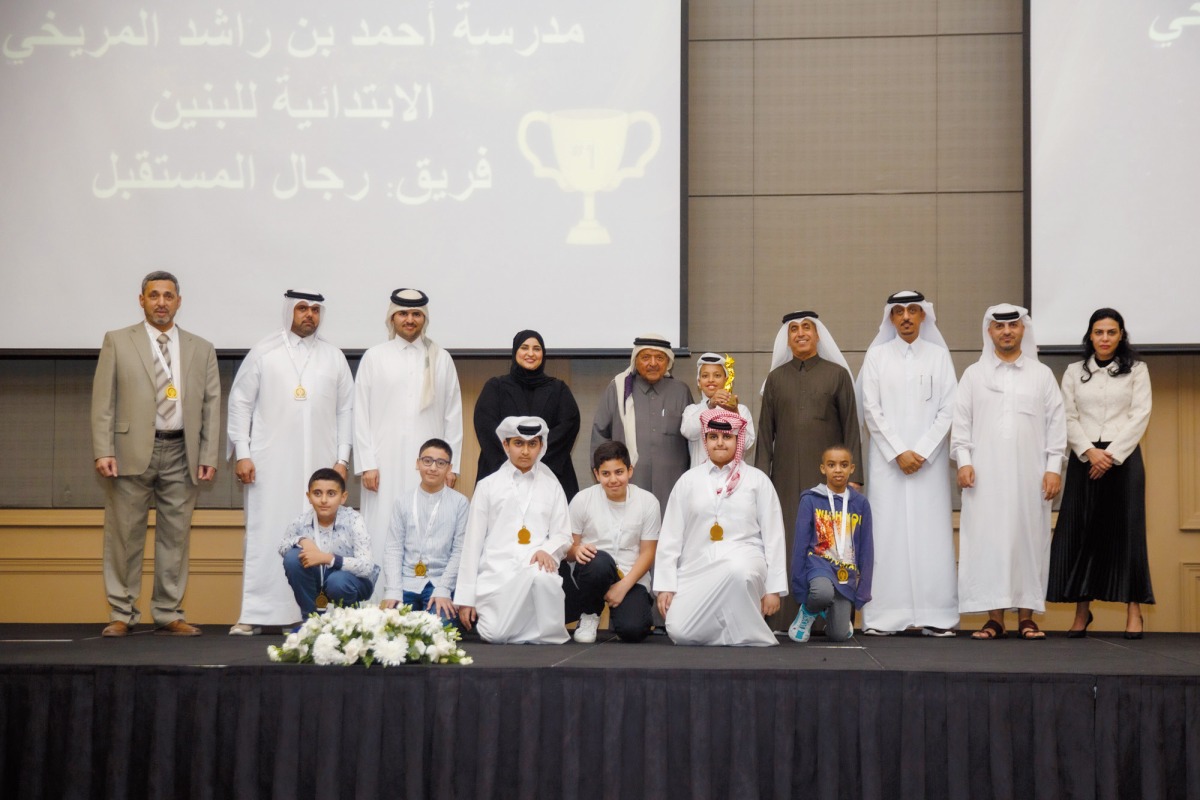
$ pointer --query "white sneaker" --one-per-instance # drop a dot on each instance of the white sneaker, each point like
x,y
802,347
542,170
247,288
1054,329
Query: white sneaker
x,y
801,628
242,629
939,633
877,632
585,633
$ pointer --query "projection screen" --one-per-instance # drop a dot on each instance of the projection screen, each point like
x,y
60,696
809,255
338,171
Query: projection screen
x,y
520,162
1115,168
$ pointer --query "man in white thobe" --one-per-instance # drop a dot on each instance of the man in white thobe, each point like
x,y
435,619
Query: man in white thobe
x,y
1009,439
906,387
405,393
518,530
720,567
290,411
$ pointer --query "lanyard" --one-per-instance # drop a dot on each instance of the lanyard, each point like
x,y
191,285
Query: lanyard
x,y
429,526
299,372
840,539
722,494
523,535
158,353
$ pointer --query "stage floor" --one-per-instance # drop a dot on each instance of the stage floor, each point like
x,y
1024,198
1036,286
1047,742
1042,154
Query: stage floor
x,y
1165,654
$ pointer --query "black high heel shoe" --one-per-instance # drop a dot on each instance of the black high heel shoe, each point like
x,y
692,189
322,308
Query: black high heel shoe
x,y
1082,633
1136,634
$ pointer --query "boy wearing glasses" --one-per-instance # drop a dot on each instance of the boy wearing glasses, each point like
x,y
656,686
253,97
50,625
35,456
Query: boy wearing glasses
x,y
425,538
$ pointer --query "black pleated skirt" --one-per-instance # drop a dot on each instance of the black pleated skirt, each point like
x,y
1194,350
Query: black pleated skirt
x,y
1099,547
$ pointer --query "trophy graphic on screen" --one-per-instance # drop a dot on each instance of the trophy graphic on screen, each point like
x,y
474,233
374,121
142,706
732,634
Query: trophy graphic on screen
x,y
589,146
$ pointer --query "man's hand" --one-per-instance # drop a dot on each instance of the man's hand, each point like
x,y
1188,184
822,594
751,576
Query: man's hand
x,y
451,479
664,602
390,604
543,560
370,480
205,473
311,555
770,604
1051,485
616,593
467,616
966,477
584,553
106,467
244,470
909,462
339,468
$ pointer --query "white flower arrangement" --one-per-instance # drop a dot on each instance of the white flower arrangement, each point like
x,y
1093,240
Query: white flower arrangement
x,y
372,635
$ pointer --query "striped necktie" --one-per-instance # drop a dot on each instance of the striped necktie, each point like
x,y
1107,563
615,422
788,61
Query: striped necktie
x,y
162,378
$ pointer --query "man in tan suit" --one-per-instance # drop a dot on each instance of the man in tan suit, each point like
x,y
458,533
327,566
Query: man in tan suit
x,y
156,403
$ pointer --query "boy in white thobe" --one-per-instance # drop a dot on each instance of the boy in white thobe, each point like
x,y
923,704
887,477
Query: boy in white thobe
x,y
290,412
721,565
517,531
711,379
906,395
1009,438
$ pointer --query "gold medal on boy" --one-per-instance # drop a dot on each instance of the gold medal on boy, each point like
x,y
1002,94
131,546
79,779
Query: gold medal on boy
x,y
523,535
419,570
301,393
322,600
172,393
843,575
716,533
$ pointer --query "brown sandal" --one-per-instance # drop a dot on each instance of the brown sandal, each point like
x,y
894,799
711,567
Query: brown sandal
x,y
1028,630
990,630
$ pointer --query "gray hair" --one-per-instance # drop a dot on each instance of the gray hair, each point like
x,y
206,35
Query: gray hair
x,y
160,275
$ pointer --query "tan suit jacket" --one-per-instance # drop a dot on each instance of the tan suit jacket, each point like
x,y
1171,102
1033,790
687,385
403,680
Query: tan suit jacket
x,y
124,402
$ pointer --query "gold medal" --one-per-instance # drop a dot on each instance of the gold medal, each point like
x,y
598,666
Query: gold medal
x,y
716,533
172,393
322,601
300,394
419,570
843,575
523,535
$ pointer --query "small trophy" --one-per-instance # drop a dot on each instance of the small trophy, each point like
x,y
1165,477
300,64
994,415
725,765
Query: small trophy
x,y
729,381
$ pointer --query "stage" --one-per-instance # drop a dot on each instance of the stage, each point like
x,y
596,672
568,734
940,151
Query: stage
x,y
904,716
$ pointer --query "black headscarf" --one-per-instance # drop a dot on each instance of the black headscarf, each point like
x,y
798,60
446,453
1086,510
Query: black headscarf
x,y
528,378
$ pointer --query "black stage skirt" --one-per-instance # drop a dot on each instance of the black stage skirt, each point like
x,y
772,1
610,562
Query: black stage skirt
x,y
1099,548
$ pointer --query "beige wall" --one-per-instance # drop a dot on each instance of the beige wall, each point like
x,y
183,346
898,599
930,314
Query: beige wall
x,y
838,150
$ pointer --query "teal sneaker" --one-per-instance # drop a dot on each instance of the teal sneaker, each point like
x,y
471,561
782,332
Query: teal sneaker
x,y
801,628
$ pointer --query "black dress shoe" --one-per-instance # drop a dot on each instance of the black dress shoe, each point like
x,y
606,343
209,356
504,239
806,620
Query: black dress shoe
x,y
1082,632
1135,634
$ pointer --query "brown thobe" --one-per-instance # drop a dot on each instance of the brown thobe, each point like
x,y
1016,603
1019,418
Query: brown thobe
x,y
807,406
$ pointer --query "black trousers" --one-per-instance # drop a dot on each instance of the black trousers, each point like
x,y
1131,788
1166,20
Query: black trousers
x,y
585,589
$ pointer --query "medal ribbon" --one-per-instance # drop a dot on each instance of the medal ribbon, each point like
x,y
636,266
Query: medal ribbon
x,y
166,365
840,539
529,497
428,526
722,493
292,358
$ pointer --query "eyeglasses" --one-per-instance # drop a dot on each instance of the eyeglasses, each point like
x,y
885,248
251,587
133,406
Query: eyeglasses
x,y
440,463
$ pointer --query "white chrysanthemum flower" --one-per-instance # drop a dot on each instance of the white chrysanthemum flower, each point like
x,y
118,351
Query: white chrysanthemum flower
x,y
390,652
325,649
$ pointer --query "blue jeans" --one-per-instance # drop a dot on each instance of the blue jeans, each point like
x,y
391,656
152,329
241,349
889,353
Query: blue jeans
x,y
421,601
340,586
